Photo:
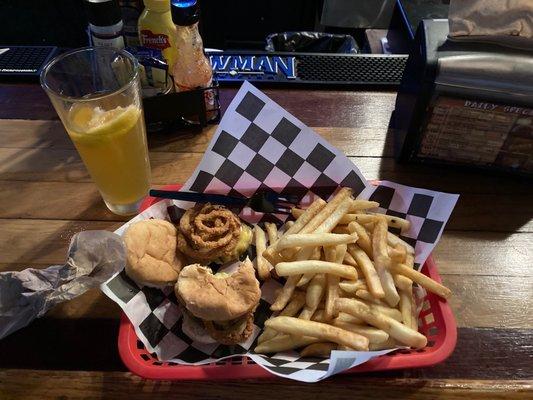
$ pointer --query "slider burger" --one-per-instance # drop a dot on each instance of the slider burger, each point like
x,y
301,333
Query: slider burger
x,y
212,233
223,303
151,255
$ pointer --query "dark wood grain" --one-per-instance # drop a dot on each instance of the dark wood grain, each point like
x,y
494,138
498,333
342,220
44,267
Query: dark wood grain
x,y
49,344
121,385
337,108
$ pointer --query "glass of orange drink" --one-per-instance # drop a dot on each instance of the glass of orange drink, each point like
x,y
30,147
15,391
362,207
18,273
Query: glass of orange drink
x,y
96,93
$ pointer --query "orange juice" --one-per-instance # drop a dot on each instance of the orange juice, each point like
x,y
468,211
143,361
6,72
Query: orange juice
x,y
112,144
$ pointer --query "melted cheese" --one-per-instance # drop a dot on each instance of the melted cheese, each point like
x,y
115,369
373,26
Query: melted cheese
x,y
242,245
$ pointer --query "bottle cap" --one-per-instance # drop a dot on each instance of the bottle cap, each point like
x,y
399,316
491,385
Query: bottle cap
x,y
103,12
185,12
157,5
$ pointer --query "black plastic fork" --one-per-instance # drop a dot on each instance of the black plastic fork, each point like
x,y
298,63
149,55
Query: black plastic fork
x,y
265,202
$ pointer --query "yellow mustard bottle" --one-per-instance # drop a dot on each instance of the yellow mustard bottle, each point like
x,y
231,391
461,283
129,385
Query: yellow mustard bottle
x,y
157,31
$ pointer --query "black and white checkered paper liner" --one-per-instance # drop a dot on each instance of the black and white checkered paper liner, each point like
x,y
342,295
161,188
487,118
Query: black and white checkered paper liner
x,y
260,146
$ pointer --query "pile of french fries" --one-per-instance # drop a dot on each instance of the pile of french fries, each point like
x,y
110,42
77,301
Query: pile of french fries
x,y
349,281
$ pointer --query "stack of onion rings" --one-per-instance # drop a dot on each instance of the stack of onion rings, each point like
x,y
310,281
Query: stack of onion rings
x,y
208,232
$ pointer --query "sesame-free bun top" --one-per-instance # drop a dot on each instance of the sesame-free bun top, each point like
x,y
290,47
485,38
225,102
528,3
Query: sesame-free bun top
x,y
152,258
219,297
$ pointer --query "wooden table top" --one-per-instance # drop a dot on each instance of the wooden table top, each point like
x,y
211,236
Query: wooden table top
x,y
485,257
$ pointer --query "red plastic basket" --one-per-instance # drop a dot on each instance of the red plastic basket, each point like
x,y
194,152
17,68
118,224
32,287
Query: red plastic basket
x,y
436,321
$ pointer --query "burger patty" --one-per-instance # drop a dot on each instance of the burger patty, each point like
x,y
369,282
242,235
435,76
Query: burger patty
x,y
231,332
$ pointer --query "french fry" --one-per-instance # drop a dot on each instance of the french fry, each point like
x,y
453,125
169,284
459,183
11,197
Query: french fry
x,y
392,221
341,230
369,228
271,254
332,286
363,240
332,220
358,205
297,212
397,253
374,335
346,348
367,267
390,343
395,222
382,260
349,260
305,279
423,280
314,239
315,292
319,316
260,244
309,253
347,319
325,213
332,216
390,312
324,332
284,343
309,214
318,349
288,225
367,296
414,314
315,267
340,253
325,220
403,283
405,308
352,286
393,240
285,293
306,313
330,253
395,329
272,232
294,306
387,282
363,219
410,260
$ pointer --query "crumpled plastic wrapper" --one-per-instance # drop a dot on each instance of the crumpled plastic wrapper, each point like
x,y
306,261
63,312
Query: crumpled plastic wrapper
x,y
93,257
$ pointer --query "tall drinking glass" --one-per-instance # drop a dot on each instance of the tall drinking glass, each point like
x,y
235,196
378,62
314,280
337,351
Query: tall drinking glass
x,y
96,92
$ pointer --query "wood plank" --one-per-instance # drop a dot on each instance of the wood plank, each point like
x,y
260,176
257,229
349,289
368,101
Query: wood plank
x,y
337,107
49,343
34,384
484,253
44,242
81,201
39,134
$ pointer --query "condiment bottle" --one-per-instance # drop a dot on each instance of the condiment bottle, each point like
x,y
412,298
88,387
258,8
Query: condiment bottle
x,y
192,69
156,29
105,23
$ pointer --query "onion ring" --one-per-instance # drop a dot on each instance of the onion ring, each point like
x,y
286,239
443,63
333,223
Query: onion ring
x,y
208,232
